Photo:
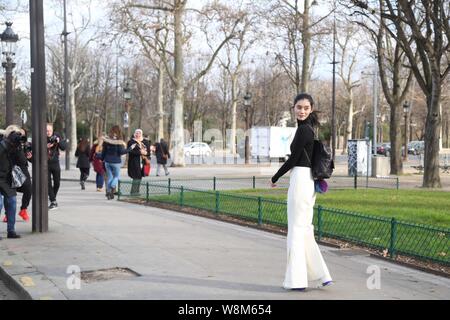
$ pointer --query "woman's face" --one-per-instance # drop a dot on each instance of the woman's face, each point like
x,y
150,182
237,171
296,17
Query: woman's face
x,y
138,135
302,109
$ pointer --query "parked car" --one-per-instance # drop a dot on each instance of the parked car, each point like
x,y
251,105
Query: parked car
x,y
384,149
197,149
416,147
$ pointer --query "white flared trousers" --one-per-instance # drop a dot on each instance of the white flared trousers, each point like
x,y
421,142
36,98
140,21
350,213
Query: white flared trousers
x,y
304,260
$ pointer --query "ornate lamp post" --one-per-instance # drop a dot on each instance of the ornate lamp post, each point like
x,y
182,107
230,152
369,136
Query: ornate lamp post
x,y
126,115
247,105
9,41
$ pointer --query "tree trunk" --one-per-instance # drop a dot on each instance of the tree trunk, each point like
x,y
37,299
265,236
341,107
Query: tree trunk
x,y
178,125
396,140
160,101
233,113
431,178
349,129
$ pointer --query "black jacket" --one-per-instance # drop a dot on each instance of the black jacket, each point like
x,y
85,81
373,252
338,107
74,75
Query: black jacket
x,y
160,150
53,153
135,161
6,164
83,157
303,140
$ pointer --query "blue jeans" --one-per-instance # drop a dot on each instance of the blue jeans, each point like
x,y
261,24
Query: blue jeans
x,y
10,208
1,202
100,180
113,170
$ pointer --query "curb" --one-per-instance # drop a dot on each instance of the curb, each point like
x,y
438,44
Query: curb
x,y
14,285
25,280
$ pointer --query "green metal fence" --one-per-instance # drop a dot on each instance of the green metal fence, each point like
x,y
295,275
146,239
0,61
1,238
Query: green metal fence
x,y
220,184
398,237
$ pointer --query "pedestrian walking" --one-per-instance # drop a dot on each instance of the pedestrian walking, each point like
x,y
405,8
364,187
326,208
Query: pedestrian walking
x,y
137,158
9,152
22,157
113,148
83,163
162,154
54,145
97,163
304,259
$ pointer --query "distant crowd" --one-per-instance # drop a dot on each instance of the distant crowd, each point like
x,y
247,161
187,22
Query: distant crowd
x,y
105,155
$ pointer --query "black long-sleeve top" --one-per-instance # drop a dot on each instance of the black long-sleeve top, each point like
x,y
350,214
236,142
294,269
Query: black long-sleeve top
x,y
303,140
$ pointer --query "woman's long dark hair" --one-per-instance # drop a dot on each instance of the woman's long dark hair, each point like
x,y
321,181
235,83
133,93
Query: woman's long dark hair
x,y
314,116
83,145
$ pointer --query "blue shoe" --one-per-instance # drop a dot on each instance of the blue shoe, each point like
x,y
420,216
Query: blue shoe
x,y
326,284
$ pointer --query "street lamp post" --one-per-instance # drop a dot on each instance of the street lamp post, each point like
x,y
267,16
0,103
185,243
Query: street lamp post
x,y
333,97
67,111
127,97
23,117
406,108
9,40
247,105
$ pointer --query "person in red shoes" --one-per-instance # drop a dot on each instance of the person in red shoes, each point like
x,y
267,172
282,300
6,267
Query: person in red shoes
x,y
21,159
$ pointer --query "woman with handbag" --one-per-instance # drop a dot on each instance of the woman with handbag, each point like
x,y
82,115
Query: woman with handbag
x,y
138,160
304,259
10,151
21,159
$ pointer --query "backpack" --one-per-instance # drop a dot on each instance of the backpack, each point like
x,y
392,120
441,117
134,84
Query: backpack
x,y
322,164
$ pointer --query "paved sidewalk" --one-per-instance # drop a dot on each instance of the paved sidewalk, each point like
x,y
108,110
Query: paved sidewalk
x,y
182,257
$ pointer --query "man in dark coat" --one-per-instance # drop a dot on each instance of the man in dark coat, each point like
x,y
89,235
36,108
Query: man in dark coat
x,y
136,159
54,144
162,154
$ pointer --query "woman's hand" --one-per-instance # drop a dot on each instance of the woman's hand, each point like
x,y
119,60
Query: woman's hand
x,y
272,185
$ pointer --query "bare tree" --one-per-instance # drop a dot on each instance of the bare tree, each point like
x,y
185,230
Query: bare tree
x,y
78,47
235,50
423,28
296,27
348,49
177,10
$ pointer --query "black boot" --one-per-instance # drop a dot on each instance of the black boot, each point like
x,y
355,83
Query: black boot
x,y
13,235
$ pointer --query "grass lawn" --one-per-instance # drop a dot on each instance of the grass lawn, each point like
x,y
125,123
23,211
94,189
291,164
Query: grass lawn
x,y
423,207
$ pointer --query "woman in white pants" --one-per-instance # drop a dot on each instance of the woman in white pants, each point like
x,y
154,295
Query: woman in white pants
x,y
304,259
